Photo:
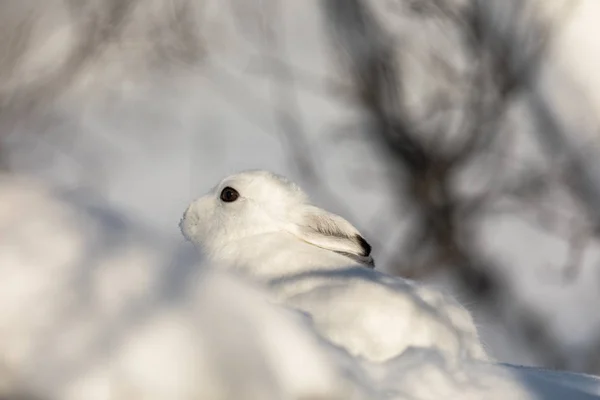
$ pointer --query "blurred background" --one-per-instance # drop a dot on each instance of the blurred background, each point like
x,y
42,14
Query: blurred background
x,y
460,136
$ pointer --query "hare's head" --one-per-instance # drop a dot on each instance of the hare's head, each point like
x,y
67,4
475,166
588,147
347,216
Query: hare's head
x,y
253,203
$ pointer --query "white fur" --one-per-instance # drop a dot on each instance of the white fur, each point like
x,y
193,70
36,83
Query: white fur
x,y
269,234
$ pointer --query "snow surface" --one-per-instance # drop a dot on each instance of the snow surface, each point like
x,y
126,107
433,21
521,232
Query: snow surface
x,y
93,307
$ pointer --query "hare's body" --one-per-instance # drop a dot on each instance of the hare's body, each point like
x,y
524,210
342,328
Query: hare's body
x,y
262,225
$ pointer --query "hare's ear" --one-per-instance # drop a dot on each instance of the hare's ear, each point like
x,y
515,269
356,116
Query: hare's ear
x,y
332,232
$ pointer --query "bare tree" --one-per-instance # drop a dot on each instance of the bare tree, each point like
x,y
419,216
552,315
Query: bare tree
x,y
466,123
164,37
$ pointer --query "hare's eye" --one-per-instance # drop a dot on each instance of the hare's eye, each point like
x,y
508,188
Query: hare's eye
x,y
229,195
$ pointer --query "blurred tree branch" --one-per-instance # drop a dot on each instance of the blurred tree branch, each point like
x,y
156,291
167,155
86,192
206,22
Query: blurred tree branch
x,y
503,63
154,38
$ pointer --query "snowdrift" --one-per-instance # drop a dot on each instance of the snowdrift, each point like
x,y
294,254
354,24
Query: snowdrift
x,y
93,306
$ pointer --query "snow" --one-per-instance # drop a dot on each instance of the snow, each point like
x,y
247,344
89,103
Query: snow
x,y
91,310
96,309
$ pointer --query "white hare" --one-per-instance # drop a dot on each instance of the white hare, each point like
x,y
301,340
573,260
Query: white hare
x,y
263,225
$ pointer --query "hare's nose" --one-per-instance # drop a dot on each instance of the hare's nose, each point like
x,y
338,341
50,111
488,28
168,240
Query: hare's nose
x,y
184,219
185,215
